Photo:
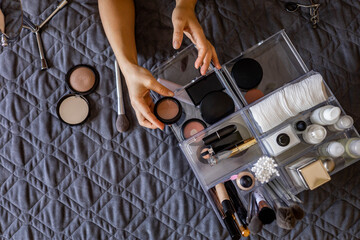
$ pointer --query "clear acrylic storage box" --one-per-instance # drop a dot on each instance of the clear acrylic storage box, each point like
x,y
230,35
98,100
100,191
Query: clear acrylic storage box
x,y
282,66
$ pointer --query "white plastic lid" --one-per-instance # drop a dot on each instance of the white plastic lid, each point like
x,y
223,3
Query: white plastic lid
x,y
336,149
354,147
332,113
345,122
318,132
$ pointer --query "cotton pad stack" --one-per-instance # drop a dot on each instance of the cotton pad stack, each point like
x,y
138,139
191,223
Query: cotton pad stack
x,y
288,102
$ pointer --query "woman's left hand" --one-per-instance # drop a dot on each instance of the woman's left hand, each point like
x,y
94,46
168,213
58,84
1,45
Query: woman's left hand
x,y
185,21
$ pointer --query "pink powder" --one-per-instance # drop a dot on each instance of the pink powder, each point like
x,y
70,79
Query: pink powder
x,y
167,109
192,128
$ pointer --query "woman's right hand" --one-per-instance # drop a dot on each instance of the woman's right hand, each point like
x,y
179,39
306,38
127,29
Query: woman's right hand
x,y
139,82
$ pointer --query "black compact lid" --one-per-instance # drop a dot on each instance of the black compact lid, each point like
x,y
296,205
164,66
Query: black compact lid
x,y
200,88
215,106
247,73
92,89
172,120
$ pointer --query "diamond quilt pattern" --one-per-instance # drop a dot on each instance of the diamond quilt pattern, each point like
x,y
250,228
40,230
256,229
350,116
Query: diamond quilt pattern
x,y
90,182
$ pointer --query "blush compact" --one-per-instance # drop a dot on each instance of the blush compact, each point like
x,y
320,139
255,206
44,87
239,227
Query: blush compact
x,y
192,127
168,110
82,79
74,108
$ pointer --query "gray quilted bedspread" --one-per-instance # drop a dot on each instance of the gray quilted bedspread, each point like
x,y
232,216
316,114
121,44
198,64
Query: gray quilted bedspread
x,y
91,182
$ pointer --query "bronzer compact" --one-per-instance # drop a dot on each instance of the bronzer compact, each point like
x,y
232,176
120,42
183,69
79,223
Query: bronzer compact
x,y
74,108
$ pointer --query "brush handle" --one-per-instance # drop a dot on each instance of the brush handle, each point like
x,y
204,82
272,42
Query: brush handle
x,y
41,51
224,199
273,196
58,8
292,196
239,207
120,99
280,193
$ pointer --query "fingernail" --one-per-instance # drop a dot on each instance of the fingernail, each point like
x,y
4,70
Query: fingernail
x,y
170,93
176,44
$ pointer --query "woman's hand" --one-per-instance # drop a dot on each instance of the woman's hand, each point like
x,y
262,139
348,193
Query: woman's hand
x,y
185,21
139,82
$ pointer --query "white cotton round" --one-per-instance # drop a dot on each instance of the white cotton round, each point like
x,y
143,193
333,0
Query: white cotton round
x,y
288,102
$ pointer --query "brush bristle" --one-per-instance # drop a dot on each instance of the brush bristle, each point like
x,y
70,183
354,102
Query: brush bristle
x,y
122,123
267,215
285,218
298,211
255,225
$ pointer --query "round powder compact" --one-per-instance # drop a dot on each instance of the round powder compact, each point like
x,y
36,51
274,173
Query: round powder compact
x,y
82,79
215,106
253,95
192,127
168,110
245,181
73,109
247,73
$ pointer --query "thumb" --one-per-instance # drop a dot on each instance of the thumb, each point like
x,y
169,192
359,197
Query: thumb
x,y
178,32
160,89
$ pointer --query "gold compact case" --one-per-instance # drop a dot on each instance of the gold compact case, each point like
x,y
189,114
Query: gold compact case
x,y
315,174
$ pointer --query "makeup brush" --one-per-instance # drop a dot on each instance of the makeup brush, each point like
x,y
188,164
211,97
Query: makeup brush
x,y
228,220
255,225
240,211
284,215
299,213
266,213
238,205
122,123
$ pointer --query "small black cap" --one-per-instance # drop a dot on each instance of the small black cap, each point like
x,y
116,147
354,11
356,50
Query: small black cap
x,y
300,126
283,139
